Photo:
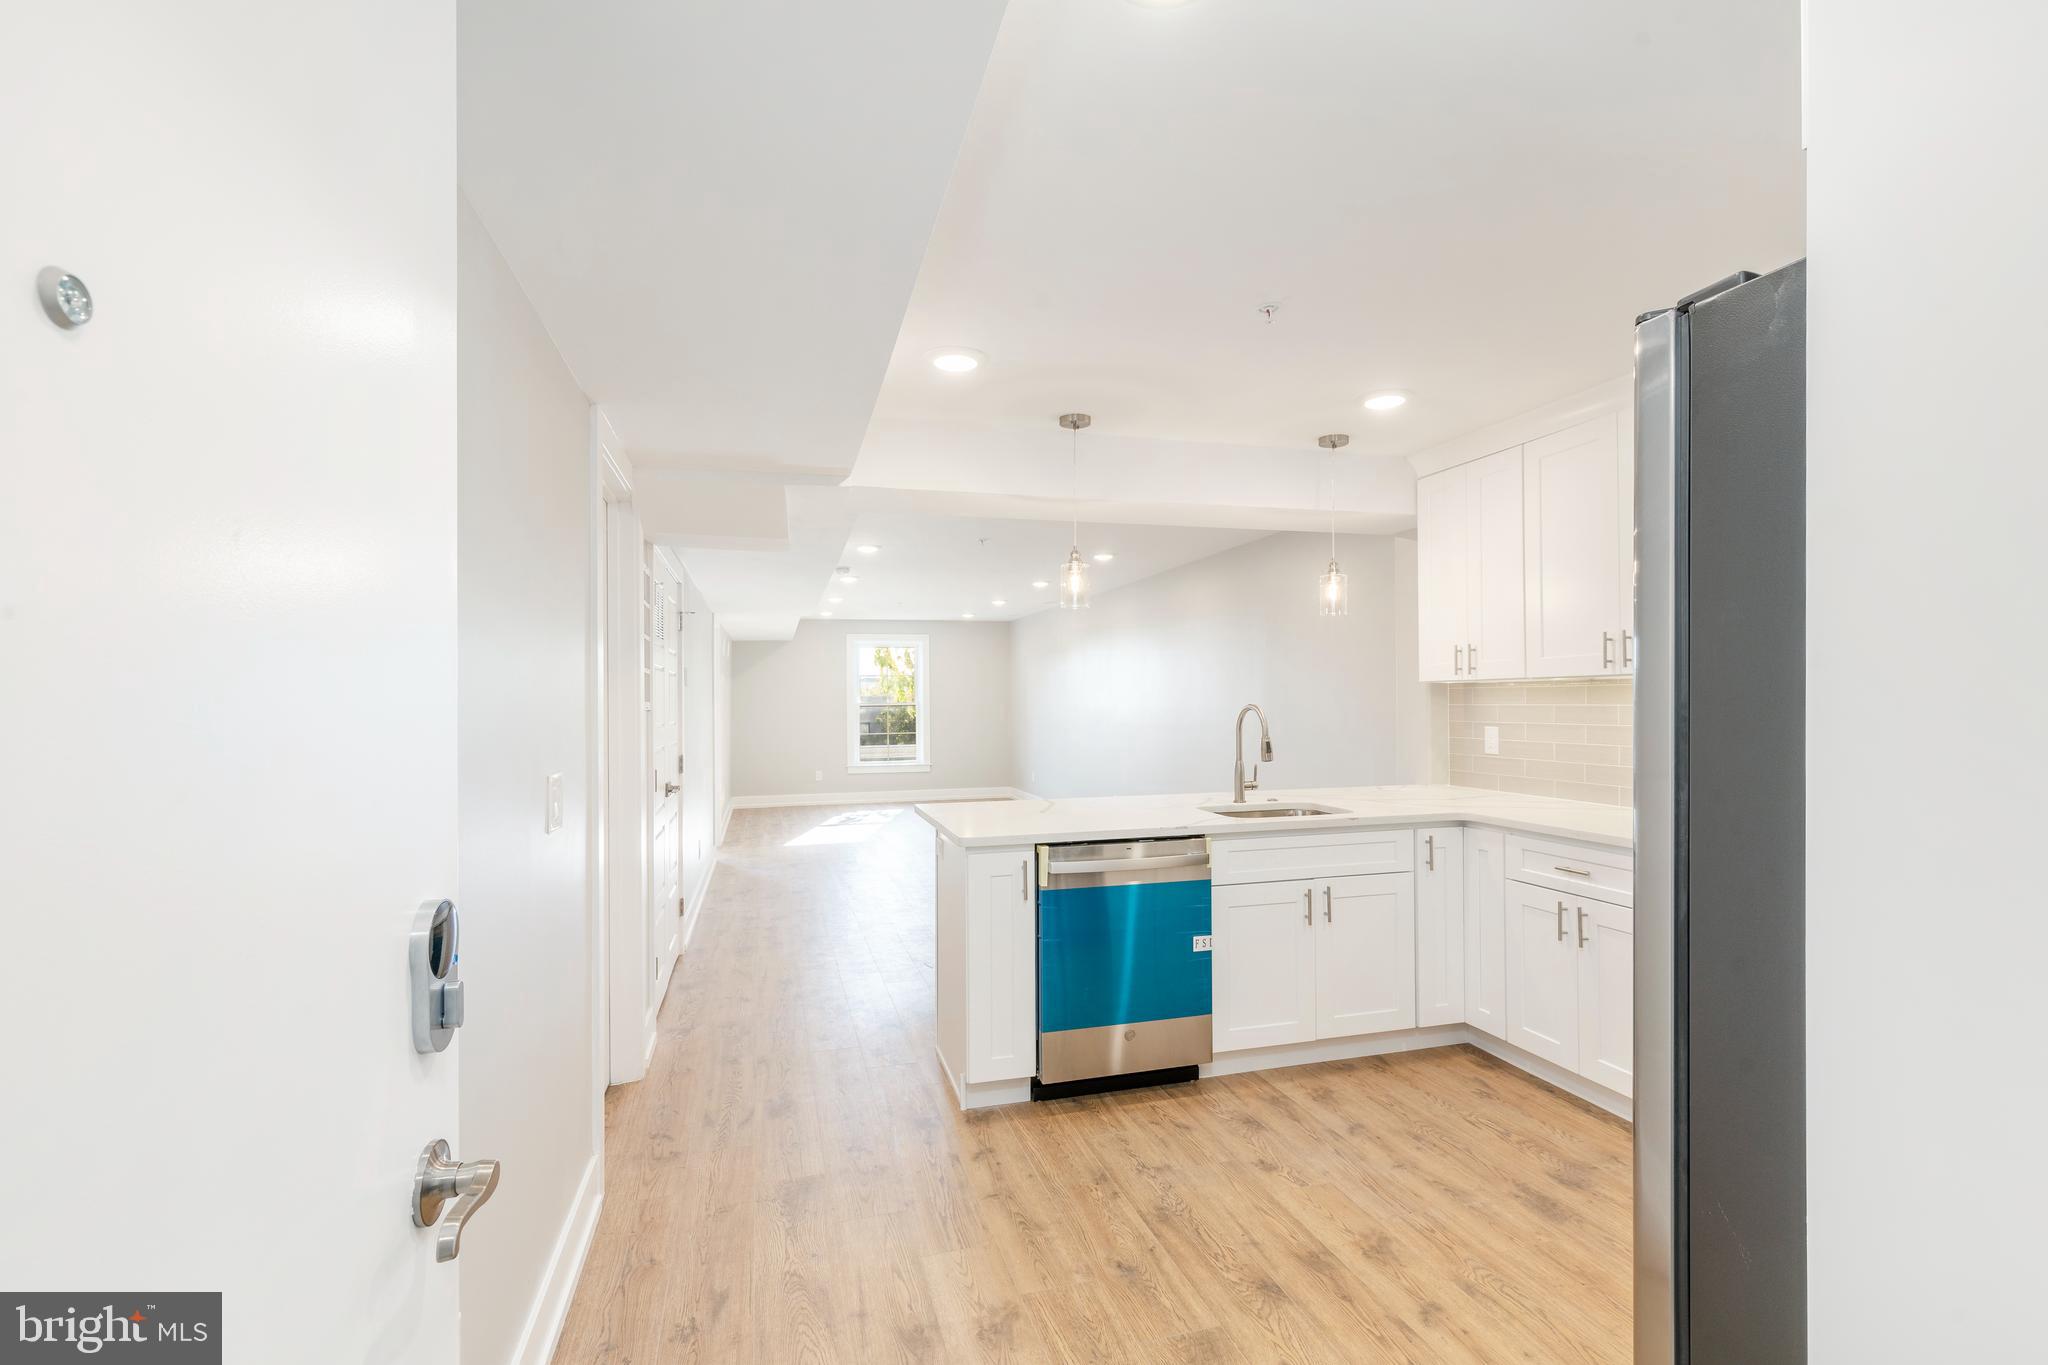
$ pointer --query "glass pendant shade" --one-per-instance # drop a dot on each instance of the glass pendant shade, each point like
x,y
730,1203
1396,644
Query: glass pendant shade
x,y
1074,581
1333,592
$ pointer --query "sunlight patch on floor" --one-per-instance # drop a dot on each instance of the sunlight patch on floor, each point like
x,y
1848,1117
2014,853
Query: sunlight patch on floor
x,y
847,827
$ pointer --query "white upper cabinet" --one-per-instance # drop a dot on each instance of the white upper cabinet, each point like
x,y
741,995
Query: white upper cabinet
x,y
1576,593
1440,535
1469,566
1440,925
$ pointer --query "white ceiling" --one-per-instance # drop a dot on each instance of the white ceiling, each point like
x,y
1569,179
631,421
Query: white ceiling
x,y
929,564
1470,202
720,213
718,209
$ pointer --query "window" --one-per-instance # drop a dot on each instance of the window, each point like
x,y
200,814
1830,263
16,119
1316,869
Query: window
x,y
888,696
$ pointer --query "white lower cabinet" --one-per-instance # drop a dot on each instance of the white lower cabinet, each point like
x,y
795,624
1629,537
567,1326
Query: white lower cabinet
x,y
1571,983
1440,925
1486,932
1264,960
1607,995
1315,958
1002,967
1543,976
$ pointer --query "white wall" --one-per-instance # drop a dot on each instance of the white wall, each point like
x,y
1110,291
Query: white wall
x,y
1926,938
1138,692
528,933
789,717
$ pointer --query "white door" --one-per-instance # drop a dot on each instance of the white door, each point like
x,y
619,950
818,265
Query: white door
x,y
665,778
1571,556
1607,984
1494,598
227,593
1365,955
1264,958
1486,932
1542,975
1440,925
1002,966
1440,563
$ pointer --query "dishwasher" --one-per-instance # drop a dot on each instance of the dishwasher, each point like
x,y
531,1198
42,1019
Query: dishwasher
x,y
1123,965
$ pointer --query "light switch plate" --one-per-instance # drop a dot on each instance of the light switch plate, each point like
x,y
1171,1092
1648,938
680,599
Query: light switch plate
x,y
554,820
1204,942
1493,739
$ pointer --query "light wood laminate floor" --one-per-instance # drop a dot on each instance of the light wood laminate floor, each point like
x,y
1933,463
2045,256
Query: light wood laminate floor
x,y
792,1182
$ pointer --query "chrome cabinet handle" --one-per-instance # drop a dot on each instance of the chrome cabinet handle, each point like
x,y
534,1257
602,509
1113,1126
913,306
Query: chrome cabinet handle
x,y
1326,905
459,1187
1607,649
1458,660
1024,882
1582,926
1560,921
1472,659
1575,871
1429,840
1308,906
1628,648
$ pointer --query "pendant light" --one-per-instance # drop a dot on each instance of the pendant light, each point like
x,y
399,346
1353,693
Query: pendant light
x,y
1333,589
1074,573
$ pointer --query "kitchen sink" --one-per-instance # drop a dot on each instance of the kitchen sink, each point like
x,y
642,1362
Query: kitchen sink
x,y
1271,810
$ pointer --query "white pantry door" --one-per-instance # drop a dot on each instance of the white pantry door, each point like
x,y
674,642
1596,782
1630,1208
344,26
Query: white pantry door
x,y
664,800
227,660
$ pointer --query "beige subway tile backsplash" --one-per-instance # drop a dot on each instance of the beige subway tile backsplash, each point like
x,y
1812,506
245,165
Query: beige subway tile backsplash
x,y
1569,739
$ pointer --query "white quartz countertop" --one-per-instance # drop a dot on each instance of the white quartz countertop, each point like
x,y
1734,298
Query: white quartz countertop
x,y
985,824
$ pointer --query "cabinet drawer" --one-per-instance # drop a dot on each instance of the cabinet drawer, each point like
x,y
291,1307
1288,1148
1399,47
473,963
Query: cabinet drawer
x,y
1602,874
1240,858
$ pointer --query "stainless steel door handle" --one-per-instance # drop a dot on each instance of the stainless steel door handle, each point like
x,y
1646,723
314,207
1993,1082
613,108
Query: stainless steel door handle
x,y
459,1188
1560,921
1429,841
1308,906
1582,926
1607,649
1326,905
669,789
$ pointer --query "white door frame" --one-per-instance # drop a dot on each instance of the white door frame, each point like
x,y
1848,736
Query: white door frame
x,y
618,833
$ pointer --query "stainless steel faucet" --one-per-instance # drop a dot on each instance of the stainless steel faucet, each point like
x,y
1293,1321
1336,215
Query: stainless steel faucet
x,y
1239,785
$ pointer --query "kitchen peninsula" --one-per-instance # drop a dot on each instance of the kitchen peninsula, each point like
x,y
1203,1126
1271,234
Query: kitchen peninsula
x,y
1405,917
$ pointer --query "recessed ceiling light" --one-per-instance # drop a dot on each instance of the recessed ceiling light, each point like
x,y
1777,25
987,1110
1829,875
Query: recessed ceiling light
x,y
824,613
846,574
955,360
1104,557
1385,402
868,549
998,602
967,616
835,601
1040,583
1158,4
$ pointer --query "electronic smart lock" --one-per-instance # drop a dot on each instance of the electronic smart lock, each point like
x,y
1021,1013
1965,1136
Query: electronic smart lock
x,y
436,985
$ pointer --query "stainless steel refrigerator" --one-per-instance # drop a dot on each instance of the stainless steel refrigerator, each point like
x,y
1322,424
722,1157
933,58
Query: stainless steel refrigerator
x,y
1720,1089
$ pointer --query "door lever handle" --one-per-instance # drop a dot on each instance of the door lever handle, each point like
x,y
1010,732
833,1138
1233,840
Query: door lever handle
x,y
669,789
459,1188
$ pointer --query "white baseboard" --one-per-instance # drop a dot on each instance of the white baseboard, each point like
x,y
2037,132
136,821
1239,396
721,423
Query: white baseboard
x,y
1339,1050
1334,1050
888,798
536,1345
693,900
724,819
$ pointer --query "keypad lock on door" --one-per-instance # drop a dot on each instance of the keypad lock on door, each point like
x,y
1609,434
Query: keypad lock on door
x,y
436,979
